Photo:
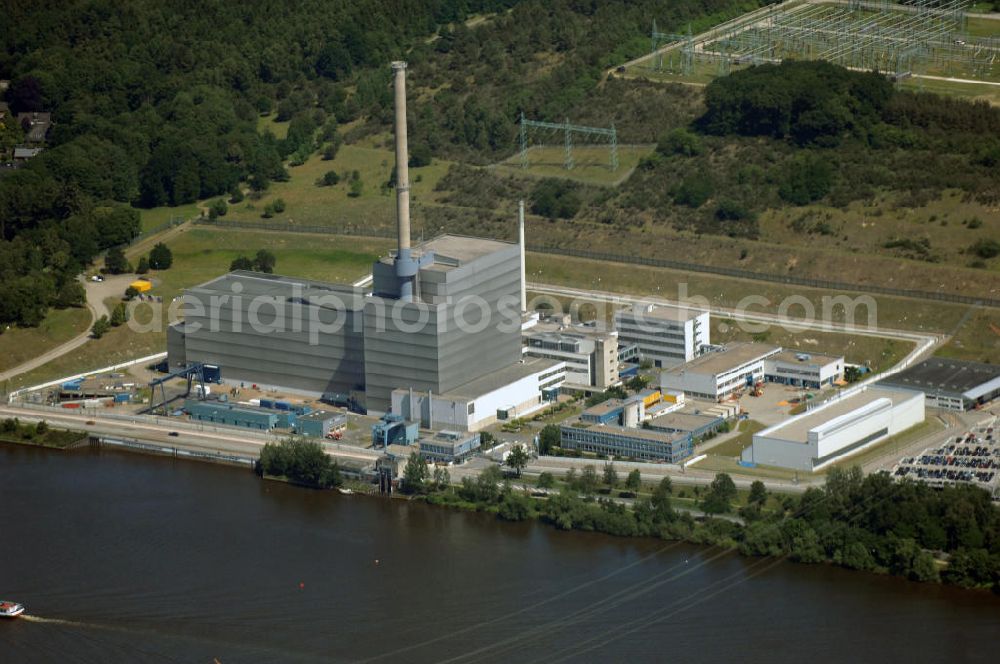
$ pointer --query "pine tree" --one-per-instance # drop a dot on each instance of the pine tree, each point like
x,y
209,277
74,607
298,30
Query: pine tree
x,y
100,328
119,315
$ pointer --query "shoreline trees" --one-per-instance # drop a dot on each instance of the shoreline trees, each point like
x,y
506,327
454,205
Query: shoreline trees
x,y
300,461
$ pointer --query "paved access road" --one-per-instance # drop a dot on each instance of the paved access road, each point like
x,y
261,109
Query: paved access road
x,y
651,473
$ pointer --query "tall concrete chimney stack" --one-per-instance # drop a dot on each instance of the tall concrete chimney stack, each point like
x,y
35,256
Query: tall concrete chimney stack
x,y
406,267
524,249
402,157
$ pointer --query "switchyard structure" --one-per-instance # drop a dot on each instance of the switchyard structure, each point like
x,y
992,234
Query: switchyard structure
x,y
610,136
659,39
925,36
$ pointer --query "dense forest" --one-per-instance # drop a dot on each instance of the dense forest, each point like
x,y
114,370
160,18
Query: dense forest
x,y
156,103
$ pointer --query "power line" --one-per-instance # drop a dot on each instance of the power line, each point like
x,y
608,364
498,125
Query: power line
x,y
610,135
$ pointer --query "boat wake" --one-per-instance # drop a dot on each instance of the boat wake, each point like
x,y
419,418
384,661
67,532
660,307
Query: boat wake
x,y
60,621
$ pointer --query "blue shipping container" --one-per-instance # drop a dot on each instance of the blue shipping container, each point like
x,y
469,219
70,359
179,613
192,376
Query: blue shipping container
x,y
266,403
280,405
123,397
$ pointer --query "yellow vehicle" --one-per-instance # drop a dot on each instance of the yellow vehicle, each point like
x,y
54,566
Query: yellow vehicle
x,y
142,285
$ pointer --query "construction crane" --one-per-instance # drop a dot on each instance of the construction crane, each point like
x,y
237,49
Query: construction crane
x,y
196,370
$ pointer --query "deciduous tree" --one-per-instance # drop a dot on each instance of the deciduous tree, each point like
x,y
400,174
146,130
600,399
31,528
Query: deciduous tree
x,y
721,493
160,257
517,459
415,474
634,481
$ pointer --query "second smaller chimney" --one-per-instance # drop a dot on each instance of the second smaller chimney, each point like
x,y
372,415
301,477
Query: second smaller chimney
x,y
524,249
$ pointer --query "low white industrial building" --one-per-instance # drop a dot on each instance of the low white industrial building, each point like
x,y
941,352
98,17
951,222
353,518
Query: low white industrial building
x,y
666,336
952,384
512,392
720,374
800,369
836,428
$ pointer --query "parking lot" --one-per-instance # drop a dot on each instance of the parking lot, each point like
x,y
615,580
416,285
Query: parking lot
x,y
970,458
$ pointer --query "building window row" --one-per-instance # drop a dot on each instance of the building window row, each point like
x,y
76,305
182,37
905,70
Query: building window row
x,y
568,359
630,333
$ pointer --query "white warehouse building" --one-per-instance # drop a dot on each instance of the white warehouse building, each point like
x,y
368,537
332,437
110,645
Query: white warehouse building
x,y
836,429
666,336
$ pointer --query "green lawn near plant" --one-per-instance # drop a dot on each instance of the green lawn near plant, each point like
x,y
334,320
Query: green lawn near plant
x,y
155,218
735,446
981,26
20,344
984,92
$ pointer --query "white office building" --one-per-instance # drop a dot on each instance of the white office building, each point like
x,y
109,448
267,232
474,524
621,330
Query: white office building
x,y
720,374
836,429
666,336
591,355
800,369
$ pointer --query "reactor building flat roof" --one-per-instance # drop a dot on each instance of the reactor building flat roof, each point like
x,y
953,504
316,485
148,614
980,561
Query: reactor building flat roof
x,y
452,251
257,284
505,376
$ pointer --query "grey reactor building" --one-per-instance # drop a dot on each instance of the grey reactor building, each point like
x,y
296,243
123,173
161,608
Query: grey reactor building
x,y
439,317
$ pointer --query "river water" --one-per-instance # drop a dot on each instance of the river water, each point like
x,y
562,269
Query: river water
x,y
122,557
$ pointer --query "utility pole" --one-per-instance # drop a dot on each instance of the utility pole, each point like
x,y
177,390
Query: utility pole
x,y
568,158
